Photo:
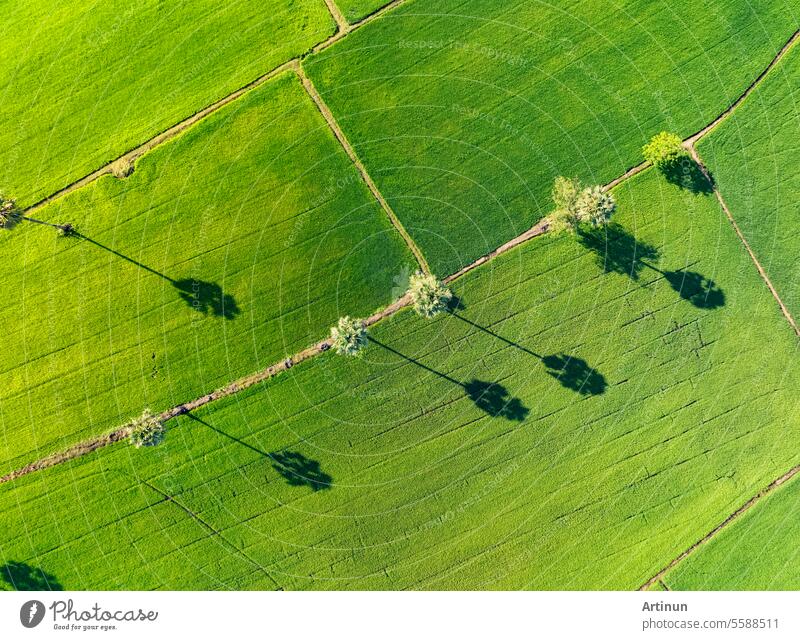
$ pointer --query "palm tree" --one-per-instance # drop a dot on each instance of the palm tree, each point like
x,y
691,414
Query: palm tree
x,y
349,336
11,215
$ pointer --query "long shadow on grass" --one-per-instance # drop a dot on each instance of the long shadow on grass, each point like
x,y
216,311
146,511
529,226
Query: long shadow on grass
x,y
618,251
204,297
299,471
24,577
292,466
227,435
572,372
490,397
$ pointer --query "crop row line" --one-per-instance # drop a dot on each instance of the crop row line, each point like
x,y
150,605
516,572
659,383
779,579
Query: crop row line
x,y
762,272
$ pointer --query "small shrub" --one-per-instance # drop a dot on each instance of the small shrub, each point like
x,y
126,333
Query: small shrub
x,y
66,230
576,204
121,168
147,430
664,150
430,296
9,212
349,336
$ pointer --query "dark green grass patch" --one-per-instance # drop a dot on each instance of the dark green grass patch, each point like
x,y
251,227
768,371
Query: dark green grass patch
x,y
231,247
82,83
592,407
753,156
464,113
758,551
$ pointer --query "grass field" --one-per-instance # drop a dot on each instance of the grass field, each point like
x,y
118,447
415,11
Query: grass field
x,y
464,113
82,83
355,10
586,414
759,551
226,250
752,156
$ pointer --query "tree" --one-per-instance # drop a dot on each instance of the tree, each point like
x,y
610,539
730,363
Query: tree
x,y
11,215
429,295
9,212
664,150
576,204
595,206
349,336
147,430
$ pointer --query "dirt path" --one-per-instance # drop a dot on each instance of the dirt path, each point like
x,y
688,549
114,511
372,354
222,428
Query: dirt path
x,y
731,518
337,131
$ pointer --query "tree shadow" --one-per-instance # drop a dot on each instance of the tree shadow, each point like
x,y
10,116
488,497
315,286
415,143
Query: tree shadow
x,y
24,577
511,343
702,292
455,304
617,250
207,298
204,297
576,374
494,399
491,397
687,174
299,471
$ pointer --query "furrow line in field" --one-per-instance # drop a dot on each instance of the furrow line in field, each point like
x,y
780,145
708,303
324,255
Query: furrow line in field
x,y
351,153
731,518
540,228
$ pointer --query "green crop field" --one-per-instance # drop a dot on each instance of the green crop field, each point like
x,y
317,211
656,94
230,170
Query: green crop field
x,y
222,253
752,158
533,440
758,551
465,115
591,403
85,82
354,10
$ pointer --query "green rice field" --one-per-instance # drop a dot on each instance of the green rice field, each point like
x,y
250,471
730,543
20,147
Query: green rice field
x,y
592,410
533,439
222,253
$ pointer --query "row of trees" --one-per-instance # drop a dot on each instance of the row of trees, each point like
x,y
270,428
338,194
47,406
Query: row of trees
x,y
575,205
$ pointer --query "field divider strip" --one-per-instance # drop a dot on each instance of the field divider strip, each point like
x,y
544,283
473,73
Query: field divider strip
x,y
722,525
87,446
348,148
341,22
132,155
762,272
752,87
